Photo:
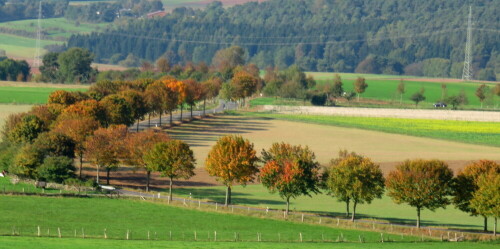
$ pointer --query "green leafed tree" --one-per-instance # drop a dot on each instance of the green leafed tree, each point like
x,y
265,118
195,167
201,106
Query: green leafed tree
x,y
422,184
173,159
355,179
56,169
74,65
486,200
466,185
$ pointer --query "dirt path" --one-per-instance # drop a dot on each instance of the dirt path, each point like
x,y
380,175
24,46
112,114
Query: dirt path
x,y
482,116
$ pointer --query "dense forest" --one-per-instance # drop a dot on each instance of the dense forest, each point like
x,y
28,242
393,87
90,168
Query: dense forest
x,y
12,10
365,36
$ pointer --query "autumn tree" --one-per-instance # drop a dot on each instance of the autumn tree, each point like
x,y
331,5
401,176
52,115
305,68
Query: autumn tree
x,y
486,200
104,148
466,185
401,90
26,130
232,160
228,58
422,184
194,93
62,97
155,95
178,90
290,170
360,86
118,110
244,85
137,103
48,113
163,65
137,145
88,108
481,93
78,128
173,159
354,178
211,90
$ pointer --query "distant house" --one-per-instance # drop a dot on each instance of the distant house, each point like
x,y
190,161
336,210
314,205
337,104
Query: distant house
x,y
160,13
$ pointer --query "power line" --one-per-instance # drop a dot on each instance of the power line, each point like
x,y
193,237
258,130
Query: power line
x,y
467,72
36,59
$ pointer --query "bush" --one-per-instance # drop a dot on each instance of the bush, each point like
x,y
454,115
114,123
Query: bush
x,y
56,169
318,99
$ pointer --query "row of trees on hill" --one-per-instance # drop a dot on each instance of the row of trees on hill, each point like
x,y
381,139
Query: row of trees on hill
x,y
292,171
317,35
61,129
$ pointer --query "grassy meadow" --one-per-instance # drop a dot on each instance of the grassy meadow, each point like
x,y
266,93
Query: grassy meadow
x,y
383,87
55,243
17,46
486,133
28,95
380,209
93,215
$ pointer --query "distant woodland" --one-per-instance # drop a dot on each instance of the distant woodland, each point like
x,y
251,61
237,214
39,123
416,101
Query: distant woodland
x,y
364,36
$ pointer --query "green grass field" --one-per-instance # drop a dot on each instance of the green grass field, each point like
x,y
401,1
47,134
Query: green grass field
x,y
28,95
17,46
93,215
385,90
54,27
486,133
381,209
55,243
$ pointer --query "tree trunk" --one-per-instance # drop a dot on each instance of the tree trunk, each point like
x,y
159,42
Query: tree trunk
x,y
353,210
228,196
81,165
485,223
148,176
149,119
182,107
495,227
137,128
418,217
204,104
287,205
401,100
160,119
170,189
347,208
358,97
170,118
107,175
191,111
97,176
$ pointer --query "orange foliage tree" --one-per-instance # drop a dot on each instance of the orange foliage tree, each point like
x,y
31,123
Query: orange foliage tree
x,y
78,128
290,170
421,184
179,94
232,160
173,159
486,199
137,104
137,145
466,184
88,108
61,97
105,147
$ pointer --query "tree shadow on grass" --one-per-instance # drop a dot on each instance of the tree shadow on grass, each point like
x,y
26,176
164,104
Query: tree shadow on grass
x,y
402,221
219,195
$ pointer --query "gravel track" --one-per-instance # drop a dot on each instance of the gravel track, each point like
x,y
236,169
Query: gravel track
x,y
481,116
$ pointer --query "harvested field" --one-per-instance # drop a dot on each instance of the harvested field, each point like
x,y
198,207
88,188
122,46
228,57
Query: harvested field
x,y
326,141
